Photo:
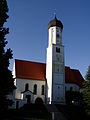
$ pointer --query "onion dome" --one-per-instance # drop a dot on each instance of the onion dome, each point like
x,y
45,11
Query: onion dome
x,y
55,22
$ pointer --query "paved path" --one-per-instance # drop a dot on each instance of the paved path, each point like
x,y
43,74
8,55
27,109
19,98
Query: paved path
x,y
56,115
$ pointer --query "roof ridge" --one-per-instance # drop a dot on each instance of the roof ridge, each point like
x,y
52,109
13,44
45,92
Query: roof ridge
x,y
29,61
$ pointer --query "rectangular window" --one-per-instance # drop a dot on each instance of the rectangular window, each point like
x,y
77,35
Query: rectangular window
x,y
57,50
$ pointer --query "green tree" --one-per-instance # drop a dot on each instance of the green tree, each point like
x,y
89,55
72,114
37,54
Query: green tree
x,y
6,79
75,96
86,91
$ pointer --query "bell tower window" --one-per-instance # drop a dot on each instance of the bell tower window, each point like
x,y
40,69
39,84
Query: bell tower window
x,y
57,50
57,35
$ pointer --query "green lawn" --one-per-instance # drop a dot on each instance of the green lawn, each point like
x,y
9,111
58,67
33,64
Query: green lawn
x,y
39,113
34,119
32,112
73,112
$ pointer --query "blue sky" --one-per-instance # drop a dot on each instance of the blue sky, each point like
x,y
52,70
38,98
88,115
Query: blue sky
x,y
28,24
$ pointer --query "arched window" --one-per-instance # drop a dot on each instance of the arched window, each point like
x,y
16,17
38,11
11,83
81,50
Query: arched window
x,y
35,89
42,90
26,87
38,100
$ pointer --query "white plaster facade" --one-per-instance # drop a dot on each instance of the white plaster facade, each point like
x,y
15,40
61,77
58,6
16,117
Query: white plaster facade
x,y
20,93
55,68
20,83
74,87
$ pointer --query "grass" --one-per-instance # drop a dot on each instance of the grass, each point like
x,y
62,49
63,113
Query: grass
x,y
32,112
23,115
39,113
34,119
73,112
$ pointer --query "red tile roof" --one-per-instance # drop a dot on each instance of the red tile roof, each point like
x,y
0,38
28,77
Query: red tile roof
x,y
37,71
73,76
30,70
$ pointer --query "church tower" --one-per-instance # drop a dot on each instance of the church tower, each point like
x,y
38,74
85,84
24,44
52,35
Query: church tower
x,y
55,67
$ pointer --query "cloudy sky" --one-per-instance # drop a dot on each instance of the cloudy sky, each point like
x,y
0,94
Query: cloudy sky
x,y
28,24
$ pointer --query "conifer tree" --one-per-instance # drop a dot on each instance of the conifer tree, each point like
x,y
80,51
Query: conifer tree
x,y
86,91
6,79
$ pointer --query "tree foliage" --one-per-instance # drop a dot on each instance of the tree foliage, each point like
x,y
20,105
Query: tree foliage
x,y
73,96
87,77
6,79
86,91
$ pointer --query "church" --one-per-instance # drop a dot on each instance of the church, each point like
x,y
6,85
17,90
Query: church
x,y
46,82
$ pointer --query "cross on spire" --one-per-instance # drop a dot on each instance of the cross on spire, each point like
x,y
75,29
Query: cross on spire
x,y
55,13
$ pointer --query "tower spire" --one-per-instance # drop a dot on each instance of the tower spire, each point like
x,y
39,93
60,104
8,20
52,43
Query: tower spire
x,y
55,13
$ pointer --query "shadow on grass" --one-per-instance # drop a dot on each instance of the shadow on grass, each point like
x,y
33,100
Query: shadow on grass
x,y
28,112
73,112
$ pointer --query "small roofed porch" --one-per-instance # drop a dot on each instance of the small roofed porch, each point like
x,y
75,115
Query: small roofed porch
x,y
27,98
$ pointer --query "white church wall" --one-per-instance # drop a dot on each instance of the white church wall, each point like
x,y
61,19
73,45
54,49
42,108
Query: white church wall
x,y
13,71
58,78
20,84
73,86
58,74
49,72
55,72
18,94
52,35
58,93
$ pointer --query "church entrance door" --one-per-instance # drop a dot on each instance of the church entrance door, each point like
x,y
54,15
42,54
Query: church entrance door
x,y
28,97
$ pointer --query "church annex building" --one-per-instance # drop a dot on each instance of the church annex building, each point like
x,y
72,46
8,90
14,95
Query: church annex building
x,y
46,82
